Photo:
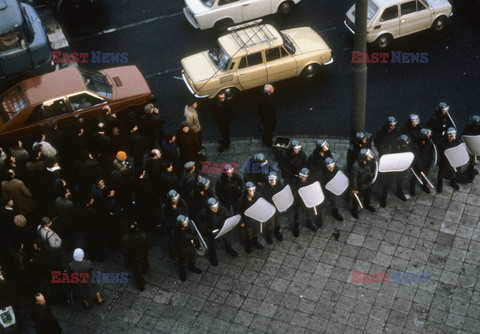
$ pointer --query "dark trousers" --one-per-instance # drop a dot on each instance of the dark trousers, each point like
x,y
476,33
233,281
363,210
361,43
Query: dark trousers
x,y
366,199
139,266
224,128
267,133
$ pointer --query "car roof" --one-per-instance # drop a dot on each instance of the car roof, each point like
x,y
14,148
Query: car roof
x,y
386,3
53,85
10,16
249,40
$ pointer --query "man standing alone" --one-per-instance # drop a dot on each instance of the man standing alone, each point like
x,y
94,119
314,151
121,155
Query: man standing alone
x,y
222,115
267,114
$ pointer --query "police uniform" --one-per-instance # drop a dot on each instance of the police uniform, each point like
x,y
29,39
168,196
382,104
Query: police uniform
x,y
361,176
445,170
301,211
268,191
135,246
185,239
229,189
424,158
327,176
292,163
250,225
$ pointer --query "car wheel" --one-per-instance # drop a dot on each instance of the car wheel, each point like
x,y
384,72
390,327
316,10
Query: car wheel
x,y
310,70
222,25
383,41
229,92
285,7
440,23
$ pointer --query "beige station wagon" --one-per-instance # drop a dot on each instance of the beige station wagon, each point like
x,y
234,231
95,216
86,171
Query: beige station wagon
x,y
254,54
391,19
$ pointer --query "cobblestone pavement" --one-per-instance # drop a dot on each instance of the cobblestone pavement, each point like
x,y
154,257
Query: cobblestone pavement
x,y
303,285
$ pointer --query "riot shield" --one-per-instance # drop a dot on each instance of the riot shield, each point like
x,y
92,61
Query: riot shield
x,y
229,224
312,195
261,211
457,156
435,153
375,174
283,199
473,144
395,162
338,184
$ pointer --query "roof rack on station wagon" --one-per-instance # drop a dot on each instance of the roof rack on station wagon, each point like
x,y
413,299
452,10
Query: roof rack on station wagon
x,y
259,34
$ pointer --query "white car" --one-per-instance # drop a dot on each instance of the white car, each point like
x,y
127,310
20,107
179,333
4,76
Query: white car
x,y
221,14
391,19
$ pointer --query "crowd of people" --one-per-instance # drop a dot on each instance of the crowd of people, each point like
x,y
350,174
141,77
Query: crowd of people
x,y
106,185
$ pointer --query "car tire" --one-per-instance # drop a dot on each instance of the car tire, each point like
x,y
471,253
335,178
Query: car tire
x,y
229,92
311,70
222,25
439,24
383,41
285,7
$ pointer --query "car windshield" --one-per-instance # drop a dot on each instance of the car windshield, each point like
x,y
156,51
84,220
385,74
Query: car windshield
x,y
11,103
287,42
208,3
372,9
97,83
219,57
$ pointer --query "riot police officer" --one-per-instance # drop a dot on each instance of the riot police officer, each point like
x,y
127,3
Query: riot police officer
x,y
412,127
257,169
197,200
329,171
171,209
445,170
439,122
185,239
316,160
293,160
301,211
210,219
424,158
229,187
250,225
387,136
268,190
472,129
361,176
361,141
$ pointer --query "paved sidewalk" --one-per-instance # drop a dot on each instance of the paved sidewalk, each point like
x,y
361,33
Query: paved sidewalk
x,y
303,285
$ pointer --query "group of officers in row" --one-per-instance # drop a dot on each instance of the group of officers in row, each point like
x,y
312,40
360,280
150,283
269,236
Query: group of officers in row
x,y
207,210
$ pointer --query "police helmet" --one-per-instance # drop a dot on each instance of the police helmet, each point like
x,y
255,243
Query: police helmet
x,y
365,153
272,176
403,140
259,158
322,143
173,195
329,162
391,120
475,120
295,145
360,137
425,133
413,118
304,173
182,220
228,169
249,186
451,132
212,203
442,106
202,183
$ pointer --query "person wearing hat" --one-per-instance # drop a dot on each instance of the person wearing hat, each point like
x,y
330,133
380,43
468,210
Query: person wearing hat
x,y
84,292
211,220
293,160
412,127
188,144
189,178
330,169
440,122
173,207
361,141
229,187
250,225
316,160
190,115
185,238
386,136
257,169
151,123
424,160
135,248
122,164
42,315
268,190
197,200
472,129
301,211
361,176
445,170
223,115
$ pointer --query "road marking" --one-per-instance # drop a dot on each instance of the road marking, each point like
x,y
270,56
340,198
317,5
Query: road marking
x,y
178,78
163,72
128,26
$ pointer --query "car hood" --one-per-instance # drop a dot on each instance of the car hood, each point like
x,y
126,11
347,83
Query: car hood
x,y
307,40
127,81
196,6
199,67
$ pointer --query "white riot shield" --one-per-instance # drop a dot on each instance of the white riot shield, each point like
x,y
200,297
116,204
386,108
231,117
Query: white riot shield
x,y
473,144
261,211
375,174
312,195
435,153
338,184
229,224
395,162
283,199
457,156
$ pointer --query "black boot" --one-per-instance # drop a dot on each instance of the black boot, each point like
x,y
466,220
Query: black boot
x,y
383,199
439,184
194,268
213,258
183,273
311,226
296,230
412,189
369,207
257,244
401,195
337,215
355,211
278,235
249,246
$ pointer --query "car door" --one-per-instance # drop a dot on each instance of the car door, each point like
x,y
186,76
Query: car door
x,y
252,9
414,16
252,71
388,22
280,65
227,9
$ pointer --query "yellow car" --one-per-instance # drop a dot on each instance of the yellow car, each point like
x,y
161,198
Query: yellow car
x,y
254,54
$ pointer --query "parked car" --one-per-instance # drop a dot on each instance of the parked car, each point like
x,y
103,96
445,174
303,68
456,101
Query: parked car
x,y
66,94
205,14
24,47
391,19
254,54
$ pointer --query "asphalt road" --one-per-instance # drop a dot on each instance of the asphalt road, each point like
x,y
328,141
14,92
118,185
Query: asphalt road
x,y
156,37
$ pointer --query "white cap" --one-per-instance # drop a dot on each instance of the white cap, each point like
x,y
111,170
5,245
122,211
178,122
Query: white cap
x,y
78,255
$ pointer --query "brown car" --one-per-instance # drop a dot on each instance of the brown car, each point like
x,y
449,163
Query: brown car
x,y
68,93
